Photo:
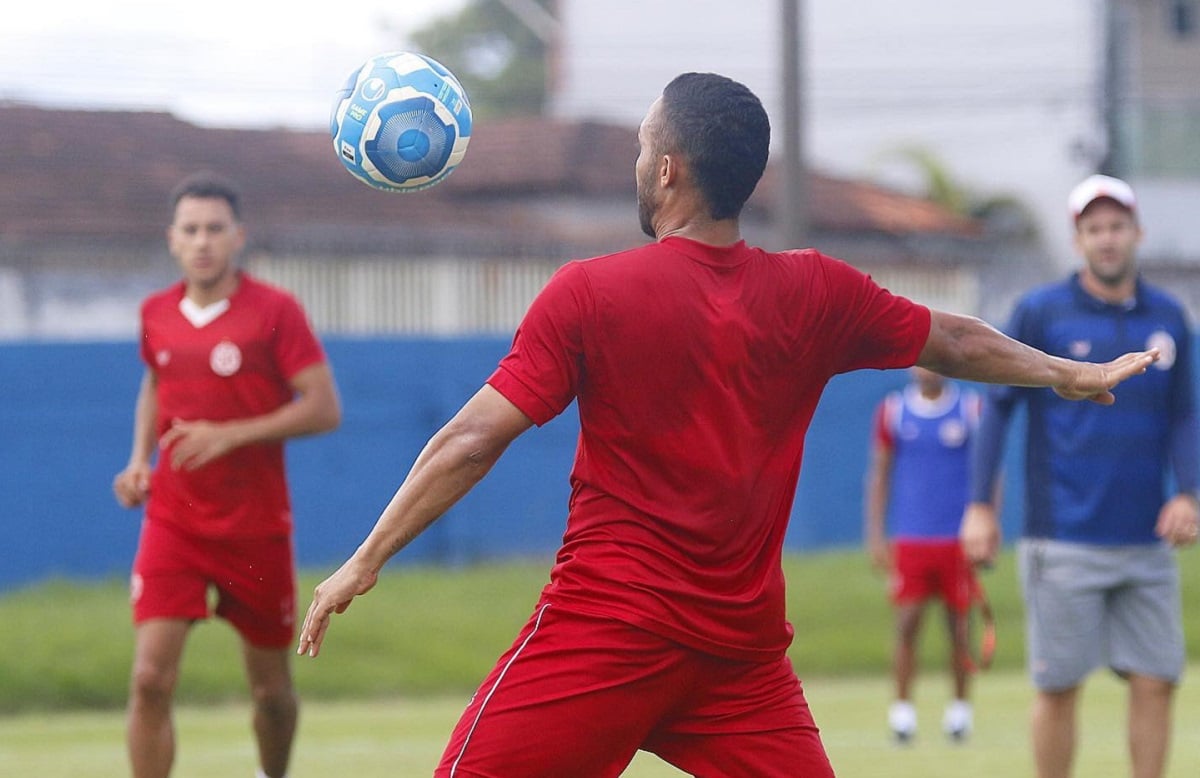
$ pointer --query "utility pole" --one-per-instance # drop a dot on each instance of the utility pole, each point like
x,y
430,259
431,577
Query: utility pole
x,y
791,213
1113,87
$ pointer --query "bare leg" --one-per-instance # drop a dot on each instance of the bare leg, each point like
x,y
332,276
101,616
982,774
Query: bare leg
x,y
960,636
904,658
276,708
902,717
150,732
957,720
1149,725
1053,725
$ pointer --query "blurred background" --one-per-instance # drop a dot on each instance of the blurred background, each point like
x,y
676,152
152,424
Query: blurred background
x,y
932,144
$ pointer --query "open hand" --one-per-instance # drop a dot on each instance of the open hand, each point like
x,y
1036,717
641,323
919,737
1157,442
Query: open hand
x,y
1095,381
193,444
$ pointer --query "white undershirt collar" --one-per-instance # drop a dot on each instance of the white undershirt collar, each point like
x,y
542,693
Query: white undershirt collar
x,y
201,316
928,408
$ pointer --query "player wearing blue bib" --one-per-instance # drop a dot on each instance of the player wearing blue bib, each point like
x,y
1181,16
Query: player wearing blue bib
x,y
916,490
1096,556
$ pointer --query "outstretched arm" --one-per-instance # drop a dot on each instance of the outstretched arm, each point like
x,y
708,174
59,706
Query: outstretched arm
x,y
452,462
968,348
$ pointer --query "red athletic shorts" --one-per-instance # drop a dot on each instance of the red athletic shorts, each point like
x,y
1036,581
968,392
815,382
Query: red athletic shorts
x,y
925,569
254,580
579,695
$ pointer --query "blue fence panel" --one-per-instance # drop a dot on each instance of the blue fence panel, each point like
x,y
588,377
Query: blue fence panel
x,y
66,414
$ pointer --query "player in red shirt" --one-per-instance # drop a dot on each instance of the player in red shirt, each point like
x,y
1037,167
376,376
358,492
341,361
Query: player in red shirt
x,y
696,362
232,371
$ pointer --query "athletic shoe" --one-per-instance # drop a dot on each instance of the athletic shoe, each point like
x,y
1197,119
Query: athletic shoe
x,y
902,719
957,721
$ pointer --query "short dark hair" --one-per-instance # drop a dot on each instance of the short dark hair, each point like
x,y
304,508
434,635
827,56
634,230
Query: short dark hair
x,y
722,129
208,184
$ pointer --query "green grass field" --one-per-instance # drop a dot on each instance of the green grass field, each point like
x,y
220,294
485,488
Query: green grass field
x,y
404,736
398,667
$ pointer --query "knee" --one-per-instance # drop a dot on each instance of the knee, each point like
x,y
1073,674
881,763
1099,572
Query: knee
x,y
152,684
908,626
1057,701
276,701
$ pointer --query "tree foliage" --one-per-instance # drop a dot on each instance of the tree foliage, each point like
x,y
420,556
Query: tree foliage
x,y
500,62
1000,212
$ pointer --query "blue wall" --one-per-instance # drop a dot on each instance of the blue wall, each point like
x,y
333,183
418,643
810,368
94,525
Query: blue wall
x,y
66,414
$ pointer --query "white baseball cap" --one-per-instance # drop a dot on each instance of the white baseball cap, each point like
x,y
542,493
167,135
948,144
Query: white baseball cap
x,y
1095,187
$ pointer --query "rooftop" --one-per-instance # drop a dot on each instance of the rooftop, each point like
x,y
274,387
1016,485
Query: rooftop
x,y
527,185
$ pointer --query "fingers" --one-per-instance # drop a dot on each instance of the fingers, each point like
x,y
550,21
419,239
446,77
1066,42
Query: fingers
x,y
1125,367
982,546
312,632
980,553
316,620
172,435
1179,533
189,446
979,534
131,488
1180,538
333,595
184,459
1133,364
1179,520
1098,388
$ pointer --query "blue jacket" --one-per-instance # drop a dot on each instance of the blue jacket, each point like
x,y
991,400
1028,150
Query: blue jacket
x,y
1098,474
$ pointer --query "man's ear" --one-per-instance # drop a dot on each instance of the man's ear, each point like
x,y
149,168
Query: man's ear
x,y
669,170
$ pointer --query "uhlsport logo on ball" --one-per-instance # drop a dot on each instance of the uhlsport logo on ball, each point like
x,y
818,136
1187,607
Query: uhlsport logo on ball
x,y
401,122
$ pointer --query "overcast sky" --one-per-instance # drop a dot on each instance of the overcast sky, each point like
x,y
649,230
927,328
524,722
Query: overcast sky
x,y
219,62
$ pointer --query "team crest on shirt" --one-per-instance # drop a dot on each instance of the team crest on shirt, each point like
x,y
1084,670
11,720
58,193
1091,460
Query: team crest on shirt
x,y
1162,340
952,433
162,357
225,359
1079,349
136,587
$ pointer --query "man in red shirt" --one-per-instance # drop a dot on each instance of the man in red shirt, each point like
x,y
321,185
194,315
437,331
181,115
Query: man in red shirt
x,y
697,362
232,371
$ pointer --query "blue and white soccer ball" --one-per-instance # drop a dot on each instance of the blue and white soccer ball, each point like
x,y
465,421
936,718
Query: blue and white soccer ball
x,y
401,122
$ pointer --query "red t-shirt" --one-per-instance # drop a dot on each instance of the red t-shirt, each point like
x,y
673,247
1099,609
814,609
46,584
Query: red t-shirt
x,y
235,366
697,370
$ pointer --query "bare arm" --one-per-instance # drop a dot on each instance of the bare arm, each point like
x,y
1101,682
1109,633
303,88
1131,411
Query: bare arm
x,y
965,347
968,348
315,408
132,485
876,496
452,462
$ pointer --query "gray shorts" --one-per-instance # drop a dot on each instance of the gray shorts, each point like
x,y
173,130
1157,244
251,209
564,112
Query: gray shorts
x,y
1091,606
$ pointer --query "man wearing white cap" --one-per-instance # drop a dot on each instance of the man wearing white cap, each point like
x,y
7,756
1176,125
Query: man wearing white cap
x,y
1097,553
